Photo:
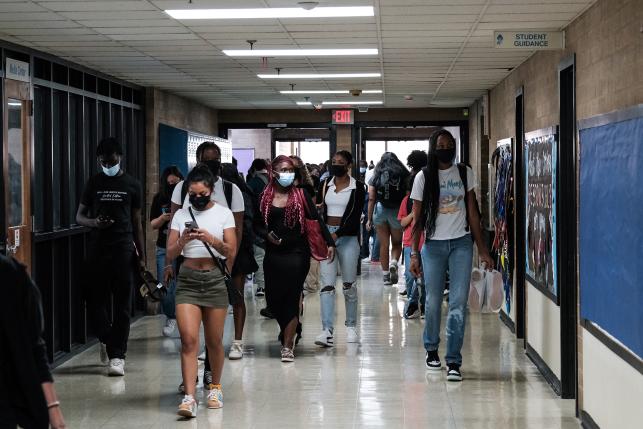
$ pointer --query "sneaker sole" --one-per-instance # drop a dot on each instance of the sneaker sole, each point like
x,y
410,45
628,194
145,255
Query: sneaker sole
x,y
115,374
287,360
454,378
353,342
434,368
323,344
235,357
214,407
187,414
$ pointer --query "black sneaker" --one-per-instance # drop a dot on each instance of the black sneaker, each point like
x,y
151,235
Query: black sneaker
x,y
412,311
433,361
403,293
260,291
454,374
265,312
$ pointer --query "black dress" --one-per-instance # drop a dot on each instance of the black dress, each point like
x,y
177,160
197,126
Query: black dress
x,y
286,265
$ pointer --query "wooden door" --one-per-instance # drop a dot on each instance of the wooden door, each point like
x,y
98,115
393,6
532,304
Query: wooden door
x,y
17,169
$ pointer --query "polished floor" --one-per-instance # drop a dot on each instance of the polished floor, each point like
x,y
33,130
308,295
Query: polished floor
x,y
380,383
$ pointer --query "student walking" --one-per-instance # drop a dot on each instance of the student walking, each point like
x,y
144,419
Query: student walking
x,y
111,206
160,217
415,292
386,190
284,208
204,233
445,208
342,199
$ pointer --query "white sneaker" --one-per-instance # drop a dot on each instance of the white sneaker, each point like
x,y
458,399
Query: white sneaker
x,y
170,326
236,350
188,407
325,339
201,356
116,367
351,335
104,358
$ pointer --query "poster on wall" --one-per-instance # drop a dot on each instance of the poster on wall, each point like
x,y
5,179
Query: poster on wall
x,y
540,210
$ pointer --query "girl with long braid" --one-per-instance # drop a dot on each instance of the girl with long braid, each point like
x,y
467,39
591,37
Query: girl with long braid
x,y
287,260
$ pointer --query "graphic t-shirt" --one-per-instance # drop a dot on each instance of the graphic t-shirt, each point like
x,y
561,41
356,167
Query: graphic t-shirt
x,y
114,197
451,221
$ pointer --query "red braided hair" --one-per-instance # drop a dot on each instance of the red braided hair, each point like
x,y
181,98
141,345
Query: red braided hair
x,y
295,211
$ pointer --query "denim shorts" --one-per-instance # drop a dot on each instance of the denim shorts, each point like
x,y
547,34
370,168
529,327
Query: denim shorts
x,y
386,216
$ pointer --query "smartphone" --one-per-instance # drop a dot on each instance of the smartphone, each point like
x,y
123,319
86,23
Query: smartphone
x,y
191,226
274,236
165,210
103,218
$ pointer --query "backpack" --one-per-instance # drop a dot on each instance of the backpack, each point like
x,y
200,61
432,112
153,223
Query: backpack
x,y
227,191
390,192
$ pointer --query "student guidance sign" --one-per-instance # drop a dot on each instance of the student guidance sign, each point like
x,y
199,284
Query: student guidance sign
x,y
529,40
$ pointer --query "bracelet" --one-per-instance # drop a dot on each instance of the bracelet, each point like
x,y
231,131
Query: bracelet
x,y
53,405
414,254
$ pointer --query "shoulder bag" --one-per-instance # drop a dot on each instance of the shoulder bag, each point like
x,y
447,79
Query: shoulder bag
x,y
312,228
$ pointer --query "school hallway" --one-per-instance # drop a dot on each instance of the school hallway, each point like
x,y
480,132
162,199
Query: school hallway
x,y
380,383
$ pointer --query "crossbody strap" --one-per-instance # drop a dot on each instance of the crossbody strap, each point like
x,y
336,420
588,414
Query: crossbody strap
x,y
222,266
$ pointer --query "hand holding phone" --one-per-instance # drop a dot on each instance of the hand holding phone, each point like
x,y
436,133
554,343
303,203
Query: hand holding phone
x,y
103,221
273,238
191,226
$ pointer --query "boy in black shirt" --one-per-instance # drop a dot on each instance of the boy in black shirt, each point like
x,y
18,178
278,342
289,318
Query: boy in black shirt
x,y
111,207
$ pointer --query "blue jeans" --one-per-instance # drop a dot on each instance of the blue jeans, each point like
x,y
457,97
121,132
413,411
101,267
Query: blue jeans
x,y
414,290
438,256
347,255
168,306
375,248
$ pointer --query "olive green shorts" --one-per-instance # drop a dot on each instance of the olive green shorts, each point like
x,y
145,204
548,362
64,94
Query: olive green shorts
x,y
203,288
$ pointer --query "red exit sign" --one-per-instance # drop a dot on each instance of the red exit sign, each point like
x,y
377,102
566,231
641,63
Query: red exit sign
x,y
343,117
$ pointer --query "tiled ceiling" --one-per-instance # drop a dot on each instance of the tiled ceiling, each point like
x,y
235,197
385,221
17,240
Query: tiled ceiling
x,y
437,51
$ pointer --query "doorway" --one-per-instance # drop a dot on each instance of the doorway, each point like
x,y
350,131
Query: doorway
x,y
567,229
16,156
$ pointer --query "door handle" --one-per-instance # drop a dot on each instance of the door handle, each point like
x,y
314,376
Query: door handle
x,y
12,249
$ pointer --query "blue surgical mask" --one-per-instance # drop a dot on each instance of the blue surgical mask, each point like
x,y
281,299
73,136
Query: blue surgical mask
x,y
112,171
362,170
286,179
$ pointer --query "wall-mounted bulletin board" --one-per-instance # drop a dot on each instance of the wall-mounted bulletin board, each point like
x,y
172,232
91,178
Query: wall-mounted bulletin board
x,y
611,226
540,152
502,194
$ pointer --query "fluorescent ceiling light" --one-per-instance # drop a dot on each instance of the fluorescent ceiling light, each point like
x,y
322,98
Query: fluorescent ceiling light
x,y
356,103
343,91
297,52
317,75
277,12
341,103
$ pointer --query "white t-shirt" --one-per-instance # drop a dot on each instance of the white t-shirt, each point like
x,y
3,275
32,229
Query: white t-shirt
x,y
336,202
368,176
218,196
214,220
451,221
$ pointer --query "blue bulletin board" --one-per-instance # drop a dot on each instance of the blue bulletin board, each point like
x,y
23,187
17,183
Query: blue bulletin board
x,y
173,148
611,225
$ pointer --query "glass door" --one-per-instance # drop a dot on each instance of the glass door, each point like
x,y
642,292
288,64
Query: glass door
x,y
17,167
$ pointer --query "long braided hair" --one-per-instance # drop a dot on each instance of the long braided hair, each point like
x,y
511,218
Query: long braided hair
x,y
295,211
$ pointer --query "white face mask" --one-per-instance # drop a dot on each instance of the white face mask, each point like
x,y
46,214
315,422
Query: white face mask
x,y
112,171
286,179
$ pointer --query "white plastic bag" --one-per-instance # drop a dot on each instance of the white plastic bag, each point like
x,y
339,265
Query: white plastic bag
x,y
486,291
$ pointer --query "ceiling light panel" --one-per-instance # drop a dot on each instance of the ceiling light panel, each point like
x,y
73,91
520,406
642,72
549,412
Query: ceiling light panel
x,y
343,91
297,52
318,76
274,13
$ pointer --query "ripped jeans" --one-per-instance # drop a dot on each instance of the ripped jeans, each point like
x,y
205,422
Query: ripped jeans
x,y
347,256
437,256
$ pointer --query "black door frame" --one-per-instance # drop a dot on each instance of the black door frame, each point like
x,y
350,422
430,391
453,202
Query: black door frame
x,y
567,227
519,224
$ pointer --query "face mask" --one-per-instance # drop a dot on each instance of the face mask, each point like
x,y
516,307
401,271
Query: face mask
x,y
362,170
199,202
171,187
338,170
445,155
286,179
214,166
112,171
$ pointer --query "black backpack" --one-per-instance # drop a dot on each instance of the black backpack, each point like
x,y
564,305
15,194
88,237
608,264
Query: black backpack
x,y
391,191
227,192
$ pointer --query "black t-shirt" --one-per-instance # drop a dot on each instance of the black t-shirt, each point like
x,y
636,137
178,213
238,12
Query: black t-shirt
x,y
160,206
114,197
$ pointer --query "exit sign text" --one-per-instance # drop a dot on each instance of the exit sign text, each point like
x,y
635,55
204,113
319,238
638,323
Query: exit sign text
x,y
343,117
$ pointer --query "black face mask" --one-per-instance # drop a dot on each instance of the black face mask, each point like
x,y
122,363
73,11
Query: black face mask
x,y
170,188
214,165
445,155
338,170
199,202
